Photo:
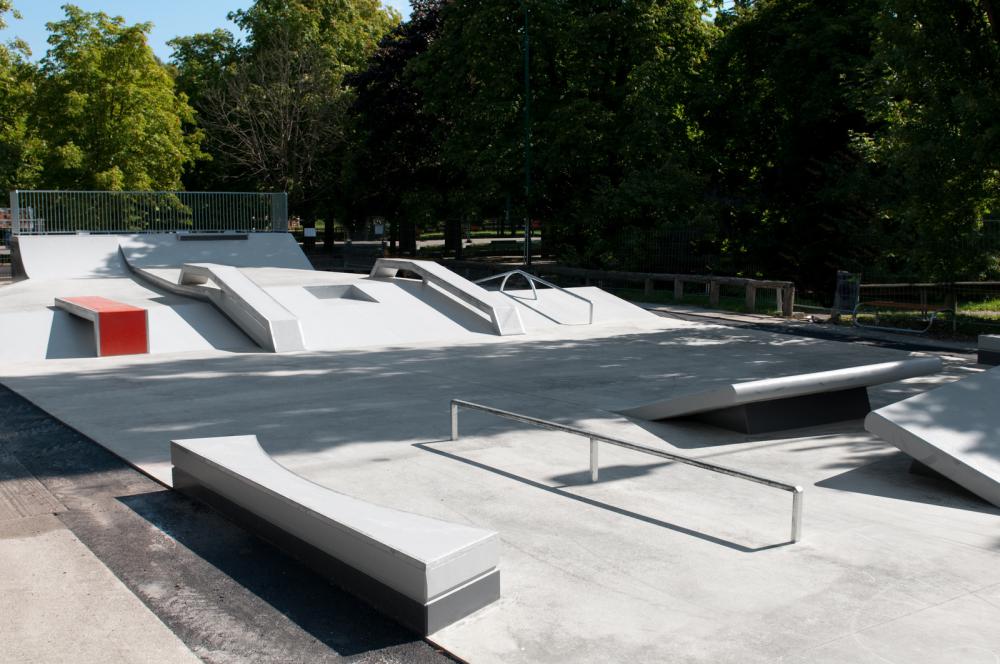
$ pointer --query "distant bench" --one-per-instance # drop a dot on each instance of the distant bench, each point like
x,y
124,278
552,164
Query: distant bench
x,y
423,572
119,329
787,402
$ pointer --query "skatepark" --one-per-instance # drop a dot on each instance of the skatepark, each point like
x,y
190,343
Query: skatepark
x,y
503,541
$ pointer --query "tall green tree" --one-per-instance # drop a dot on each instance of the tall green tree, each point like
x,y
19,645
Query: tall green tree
x,y
21,150
780,107
108,110
274,109
394,170
934,98
611,134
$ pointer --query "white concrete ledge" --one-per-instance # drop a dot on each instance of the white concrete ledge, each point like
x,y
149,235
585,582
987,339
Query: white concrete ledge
x,y
786,387
424,572
505,318
258,314
953,429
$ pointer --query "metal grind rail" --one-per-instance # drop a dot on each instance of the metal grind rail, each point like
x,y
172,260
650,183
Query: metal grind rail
x,y
531,279
596,438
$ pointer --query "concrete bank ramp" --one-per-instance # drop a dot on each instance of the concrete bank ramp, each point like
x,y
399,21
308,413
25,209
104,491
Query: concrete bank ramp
x,y
953,430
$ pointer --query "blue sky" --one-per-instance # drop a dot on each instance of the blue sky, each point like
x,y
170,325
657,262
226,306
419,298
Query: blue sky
x,y
170,18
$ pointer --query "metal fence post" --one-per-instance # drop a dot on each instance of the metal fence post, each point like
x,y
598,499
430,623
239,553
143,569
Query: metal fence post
x,y
15,214
279,212
454,421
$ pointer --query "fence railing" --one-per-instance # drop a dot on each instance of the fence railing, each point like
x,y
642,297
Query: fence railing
x,y
45,212
595,438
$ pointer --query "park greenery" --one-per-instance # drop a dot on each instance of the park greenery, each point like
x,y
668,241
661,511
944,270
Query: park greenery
x,y
786,138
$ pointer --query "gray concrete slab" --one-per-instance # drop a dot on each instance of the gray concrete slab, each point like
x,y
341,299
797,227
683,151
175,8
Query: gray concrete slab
x,y
655,562
58,603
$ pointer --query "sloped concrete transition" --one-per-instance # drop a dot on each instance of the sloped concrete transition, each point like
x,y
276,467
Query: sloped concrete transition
x,y
654,562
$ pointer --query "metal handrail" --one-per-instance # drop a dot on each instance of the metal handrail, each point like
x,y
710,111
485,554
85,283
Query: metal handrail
x,y
531,279
796,491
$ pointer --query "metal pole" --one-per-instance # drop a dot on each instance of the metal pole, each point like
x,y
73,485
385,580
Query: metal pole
x,y
454,421
593,460
527,140
797,496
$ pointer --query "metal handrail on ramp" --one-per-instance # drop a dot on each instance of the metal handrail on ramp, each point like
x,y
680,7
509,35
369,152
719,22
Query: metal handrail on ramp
x,y
595,438
531,279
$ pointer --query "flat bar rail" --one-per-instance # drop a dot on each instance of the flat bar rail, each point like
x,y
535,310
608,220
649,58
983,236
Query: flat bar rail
x,y
595,438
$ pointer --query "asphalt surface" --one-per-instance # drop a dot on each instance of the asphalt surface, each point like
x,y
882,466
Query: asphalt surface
x,y
227,595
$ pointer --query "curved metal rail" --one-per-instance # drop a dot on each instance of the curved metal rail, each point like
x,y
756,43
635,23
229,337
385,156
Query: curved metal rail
x,y
595,438
531,279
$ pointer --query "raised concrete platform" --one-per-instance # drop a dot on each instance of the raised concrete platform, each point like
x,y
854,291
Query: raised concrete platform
x,y
787,402
953,430
255,312
424,572
989,349
119,329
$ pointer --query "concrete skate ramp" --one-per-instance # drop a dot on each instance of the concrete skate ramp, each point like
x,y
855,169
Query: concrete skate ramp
x,y
954,430
788,401
46,257
251,250
425,572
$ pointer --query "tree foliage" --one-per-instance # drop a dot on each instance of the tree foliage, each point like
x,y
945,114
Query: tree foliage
x,y
611,134
107,108
275,108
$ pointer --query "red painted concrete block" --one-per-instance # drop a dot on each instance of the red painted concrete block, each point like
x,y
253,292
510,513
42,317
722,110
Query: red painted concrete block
x,y
120,329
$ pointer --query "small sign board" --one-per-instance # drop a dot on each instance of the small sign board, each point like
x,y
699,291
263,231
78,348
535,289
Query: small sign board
x,y
309,232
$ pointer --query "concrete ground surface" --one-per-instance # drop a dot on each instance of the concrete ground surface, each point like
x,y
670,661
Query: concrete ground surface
x,y
656,561
102,564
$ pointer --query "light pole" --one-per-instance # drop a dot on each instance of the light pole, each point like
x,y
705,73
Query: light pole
x,y
527,141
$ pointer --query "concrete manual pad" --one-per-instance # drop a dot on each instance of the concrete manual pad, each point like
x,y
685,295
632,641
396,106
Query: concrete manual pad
x,y
656,561
954,430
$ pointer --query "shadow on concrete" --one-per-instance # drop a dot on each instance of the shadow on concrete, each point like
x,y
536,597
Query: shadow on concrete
x,y
336,619
607,474
890,477
598,504
69,337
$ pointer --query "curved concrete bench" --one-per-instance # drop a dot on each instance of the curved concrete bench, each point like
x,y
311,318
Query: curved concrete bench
x,y
119,329
954,430
504,317
789,401
423,572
